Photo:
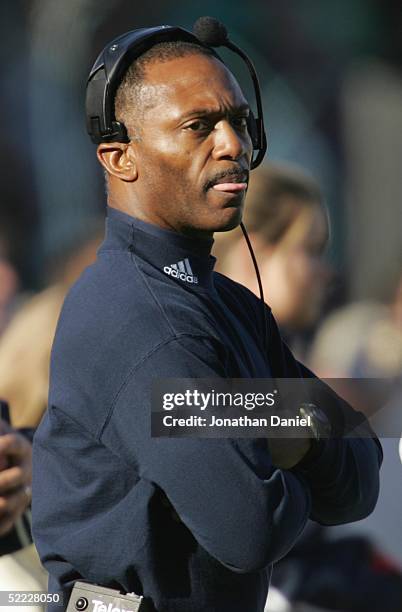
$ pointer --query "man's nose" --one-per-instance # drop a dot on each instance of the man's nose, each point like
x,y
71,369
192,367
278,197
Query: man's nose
x,y
230,143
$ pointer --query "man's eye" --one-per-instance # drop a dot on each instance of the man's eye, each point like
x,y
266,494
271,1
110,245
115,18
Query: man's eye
x,y
198,126
240,122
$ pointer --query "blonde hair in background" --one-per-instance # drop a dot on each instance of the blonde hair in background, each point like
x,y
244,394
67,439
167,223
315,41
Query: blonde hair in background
x,y
26,344
25,355
277,195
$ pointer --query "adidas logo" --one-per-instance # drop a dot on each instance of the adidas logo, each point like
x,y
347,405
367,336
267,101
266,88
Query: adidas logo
x,y
181,270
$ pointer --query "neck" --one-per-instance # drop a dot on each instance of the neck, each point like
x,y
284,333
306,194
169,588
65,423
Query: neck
x,y
131,207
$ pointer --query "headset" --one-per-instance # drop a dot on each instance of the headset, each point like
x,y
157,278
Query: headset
x,y
118,55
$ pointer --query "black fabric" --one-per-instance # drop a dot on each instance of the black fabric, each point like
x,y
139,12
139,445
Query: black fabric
x,y
106,495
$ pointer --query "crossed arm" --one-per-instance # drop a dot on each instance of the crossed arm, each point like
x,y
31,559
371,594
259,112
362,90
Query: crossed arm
x,y
244,510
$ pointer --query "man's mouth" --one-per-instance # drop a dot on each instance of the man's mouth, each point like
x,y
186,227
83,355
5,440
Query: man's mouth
x,y
229,182
230,187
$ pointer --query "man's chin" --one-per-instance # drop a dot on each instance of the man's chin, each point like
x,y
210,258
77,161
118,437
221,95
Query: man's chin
x,y
225,209
229,219
214,219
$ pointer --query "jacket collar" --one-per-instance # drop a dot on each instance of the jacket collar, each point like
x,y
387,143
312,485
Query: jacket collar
x,y
179,257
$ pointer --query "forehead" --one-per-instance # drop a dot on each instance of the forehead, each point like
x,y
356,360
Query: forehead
x,y
194,81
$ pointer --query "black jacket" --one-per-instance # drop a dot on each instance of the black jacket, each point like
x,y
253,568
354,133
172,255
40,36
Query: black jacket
x,y
104,490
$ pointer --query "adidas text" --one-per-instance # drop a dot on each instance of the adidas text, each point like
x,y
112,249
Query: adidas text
x,y
181,270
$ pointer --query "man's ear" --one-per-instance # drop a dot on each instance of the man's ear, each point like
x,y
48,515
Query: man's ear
x,y
118,159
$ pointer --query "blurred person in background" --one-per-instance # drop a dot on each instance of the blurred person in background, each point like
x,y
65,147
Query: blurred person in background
x,y
365,339
26,343
288,225
9,281
24,380
362,341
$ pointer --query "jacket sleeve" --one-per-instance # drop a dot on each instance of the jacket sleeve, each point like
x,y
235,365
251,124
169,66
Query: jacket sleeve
x,y
343,472
238,506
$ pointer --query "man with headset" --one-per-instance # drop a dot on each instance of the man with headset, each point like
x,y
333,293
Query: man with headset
x,y
192,524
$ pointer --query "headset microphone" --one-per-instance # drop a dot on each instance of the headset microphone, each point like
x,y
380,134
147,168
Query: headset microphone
x,y
211,32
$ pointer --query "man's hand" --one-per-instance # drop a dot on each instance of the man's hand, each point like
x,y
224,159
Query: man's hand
x,y
288,452
15,476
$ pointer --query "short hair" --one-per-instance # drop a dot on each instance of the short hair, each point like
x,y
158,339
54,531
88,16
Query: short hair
x,y
272,197
128,95
276,195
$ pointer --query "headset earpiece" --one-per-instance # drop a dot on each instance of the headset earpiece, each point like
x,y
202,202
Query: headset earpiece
x,y
258,138
253,131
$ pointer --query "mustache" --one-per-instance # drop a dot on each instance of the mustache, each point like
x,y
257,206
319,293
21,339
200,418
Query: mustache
x,y
241,174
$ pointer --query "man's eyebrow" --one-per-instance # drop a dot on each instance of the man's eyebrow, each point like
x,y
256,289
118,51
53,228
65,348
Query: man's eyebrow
x,y
202,112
